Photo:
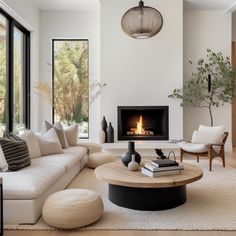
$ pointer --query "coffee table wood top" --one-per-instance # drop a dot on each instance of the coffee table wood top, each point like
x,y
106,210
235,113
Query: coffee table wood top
x,y
117,174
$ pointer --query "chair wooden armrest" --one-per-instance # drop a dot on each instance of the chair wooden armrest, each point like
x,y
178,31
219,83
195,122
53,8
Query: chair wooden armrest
x,y
216,144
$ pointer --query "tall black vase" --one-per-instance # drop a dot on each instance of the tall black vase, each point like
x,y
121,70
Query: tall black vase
x,y
104,127
127,157
110,134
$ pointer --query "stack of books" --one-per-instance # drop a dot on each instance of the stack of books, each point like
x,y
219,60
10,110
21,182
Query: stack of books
x,y
157,168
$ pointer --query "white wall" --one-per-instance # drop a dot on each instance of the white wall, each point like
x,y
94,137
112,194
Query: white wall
x,y
202,30
234,26
28,15
142,72
71,25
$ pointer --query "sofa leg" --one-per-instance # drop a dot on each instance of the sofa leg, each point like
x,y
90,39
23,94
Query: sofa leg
x,y
197,158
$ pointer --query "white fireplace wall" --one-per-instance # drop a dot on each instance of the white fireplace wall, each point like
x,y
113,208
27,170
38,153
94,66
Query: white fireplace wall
x,y
142,72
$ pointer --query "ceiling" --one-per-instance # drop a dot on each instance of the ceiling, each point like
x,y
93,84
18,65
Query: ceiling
x,y
208,4
94,4
67,5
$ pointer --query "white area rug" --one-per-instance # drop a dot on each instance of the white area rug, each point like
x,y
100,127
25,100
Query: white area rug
x,y
211,205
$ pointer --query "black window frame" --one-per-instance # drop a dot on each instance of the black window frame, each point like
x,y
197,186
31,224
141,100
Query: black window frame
x,y
53,73
11,24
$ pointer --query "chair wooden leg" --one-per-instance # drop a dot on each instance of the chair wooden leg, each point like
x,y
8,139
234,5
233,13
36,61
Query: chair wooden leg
x,y
223,161
197,158
210,164
181,154
210,159
223,156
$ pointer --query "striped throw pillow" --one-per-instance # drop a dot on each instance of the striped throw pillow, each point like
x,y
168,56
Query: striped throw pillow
x,y
11,136
16,153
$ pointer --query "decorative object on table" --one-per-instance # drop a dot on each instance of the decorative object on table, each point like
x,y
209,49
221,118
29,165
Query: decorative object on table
x,y
160,173
160,153
133,165
102,136
104,127
164,163
110,134
154,168
161,167
127,157
173,154
142,22
206,91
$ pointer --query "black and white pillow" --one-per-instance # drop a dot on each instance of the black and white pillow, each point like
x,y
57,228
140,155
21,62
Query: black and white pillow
x,y
15,151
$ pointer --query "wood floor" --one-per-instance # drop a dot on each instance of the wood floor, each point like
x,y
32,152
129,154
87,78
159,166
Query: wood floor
x,y
230,161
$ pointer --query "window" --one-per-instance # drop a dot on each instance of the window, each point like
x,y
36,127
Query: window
x,y
14,75
71,83
3,70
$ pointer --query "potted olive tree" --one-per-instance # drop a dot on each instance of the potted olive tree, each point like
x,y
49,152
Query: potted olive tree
x,y
211,85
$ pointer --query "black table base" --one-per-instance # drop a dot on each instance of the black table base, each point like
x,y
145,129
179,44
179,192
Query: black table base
x,y
148,199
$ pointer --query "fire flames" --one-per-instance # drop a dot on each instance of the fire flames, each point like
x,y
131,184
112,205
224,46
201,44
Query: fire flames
x,y
140,130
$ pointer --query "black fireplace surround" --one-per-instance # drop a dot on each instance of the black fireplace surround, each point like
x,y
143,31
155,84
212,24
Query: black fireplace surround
x,y
155,122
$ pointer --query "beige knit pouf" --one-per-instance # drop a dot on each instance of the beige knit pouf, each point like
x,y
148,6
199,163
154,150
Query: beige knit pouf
x,y
99,158
72,208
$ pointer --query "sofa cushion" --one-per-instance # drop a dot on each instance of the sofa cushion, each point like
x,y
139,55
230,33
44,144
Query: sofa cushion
x,y
207,137
32,142
193,147
32,181
60,132
77,150
16,153
91,147
49,143
71,133
3,162
59,126
220,128
66,160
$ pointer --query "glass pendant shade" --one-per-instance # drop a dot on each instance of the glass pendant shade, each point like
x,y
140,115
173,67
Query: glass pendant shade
x,y
142,22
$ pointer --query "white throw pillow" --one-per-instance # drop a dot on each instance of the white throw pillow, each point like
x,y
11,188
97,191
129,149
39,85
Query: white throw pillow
x,y
220,128
3,162
32,142
207,137
71,133
49,143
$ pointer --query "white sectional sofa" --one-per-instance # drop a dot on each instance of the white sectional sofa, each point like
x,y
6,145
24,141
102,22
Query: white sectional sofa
x,y
25,191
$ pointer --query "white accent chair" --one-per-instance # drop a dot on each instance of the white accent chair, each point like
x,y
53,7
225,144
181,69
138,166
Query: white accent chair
x,y
206,141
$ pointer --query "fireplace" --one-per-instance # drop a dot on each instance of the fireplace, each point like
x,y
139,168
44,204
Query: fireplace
x,y
143,123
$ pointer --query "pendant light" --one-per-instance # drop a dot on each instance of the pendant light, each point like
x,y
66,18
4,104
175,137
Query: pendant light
x,y
142,22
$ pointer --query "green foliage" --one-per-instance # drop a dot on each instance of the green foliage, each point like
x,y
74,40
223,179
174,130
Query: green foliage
x,y
71,81
2,80
195,91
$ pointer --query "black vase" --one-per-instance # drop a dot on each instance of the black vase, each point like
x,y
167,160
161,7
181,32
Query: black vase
x,y
110,134
127,157
104,127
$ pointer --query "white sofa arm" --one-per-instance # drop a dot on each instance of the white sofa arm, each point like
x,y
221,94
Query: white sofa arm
x,y
92,147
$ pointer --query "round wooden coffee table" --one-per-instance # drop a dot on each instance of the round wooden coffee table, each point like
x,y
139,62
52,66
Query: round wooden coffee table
x,y
136,191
